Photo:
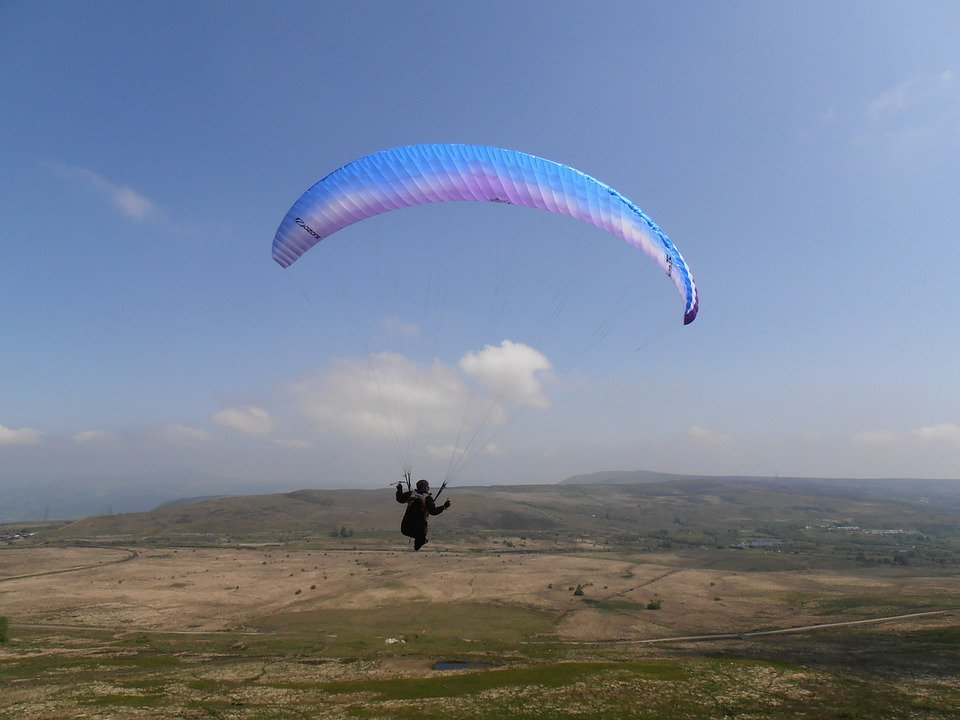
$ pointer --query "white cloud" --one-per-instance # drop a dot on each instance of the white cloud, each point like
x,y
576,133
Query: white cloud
x,y
23,436
389,394
293,444
183,435
492,449
249,420
706,436
459,454
906,95
942,433
910,119
127,200
93,437
390,398
441,452
513,372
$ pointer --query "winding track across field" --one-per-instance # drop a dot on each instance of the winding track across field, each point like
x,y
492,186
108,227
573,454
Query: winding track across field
x,y
741,635
131,554
619,641
130,631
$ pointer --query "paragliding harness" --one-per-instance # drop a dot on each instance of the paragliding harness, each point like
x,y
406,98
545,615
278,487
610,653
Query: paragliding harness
x,y
416,509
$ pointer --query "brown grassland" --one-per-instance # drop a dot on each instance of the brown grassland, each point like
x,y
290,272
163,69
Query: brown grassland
x,y
119,626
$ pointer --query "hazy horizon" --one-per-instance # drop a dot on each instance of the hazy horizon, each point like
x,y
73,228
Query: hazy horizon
x,y
24,499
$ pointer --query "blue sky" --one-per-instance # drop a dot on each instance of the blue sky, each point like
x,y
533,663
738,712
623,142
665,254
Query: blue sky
x,y
804,159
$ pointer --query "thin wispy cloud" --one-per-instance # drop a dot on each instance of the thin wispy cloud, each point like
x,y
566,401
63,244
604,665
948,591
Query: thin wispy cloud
x,y
249,420
445,452
907,95
21,436
711,438
128,201
941,433
912,116
183,435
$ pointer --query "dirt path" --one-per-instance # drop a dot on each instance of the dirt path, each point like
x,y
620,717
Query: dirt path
x,y
130,631
567,613
130,556
750,633
651,581
647,641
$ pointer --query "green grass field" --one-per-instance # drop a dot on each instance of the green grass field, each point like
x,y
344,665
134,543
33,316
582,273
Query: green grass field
x,y
200,677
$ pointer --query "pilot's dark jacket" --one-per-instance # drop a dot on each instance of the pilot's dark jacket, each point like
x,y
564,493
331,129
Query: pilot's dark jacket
x,y
419,507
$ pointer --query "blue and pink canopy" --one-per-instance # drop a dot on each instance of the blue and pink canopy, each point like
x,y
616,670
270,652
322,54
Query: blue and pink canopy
x,y
421,174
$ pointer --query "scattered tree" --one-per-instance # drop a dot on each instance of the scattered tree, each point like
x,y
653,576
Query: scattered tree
x,y
4,630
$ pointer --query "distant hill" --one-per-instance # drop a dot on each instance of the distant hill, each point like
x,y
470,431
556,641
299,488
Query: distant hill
x,y
191,500
26,498
312,511
628,508
631,477
619,477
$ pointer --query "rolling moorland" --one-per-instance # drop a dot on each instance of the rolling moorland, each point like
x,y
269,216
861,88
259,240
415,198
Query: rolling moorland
x,y
657,597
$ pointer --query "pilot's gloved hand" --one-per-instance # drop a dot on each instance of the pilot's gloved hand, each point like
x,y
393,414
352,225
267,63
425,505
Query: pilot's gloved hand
x,y
446,505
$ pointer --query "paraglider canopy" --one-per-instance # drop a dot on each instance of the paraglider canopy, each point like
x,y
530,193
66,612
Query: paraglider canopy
x,y
421,174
